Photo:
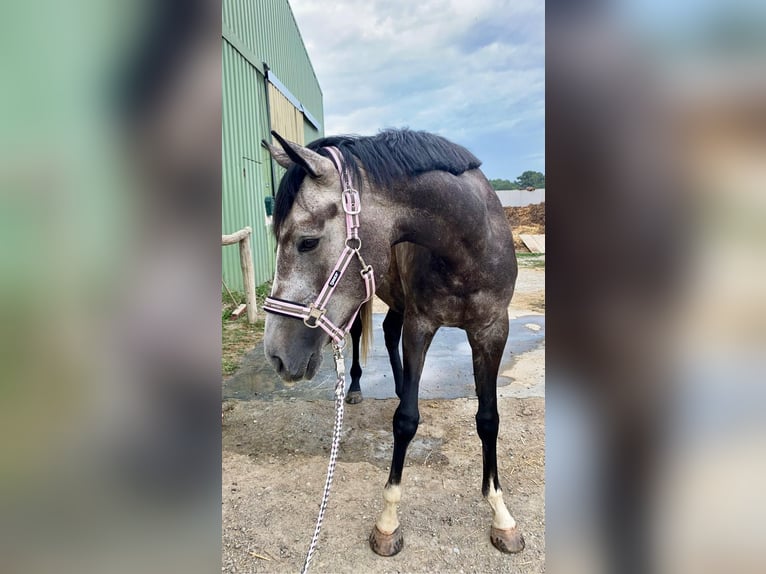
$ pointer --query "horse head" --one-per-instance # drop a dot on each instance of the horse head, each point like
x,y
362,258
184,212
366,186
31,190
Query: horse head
x,y
310,225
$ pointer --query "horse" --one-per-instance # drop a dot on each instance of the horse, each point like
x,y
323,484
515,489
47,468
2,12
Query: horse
x,y
416,208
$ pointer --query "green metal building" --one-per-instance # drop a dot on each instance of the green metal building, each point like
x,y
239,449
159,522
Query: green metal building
x,y
268,83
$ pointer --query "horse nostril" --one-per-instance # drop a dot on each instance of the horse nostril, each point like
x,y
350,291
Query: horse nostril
x,y
277,362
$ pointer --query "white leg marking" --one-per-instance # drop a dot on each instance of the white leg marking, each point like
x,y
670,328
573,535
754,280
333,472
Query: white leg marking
x,y
501,519
388,521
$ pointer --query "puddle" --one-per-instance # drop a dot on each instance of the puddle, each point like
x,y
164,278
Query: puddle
x,y
447,374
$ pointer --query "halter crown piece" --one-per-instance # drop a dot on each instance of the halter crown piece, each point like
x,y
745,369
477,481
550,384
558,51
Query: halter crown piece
x,y
315,314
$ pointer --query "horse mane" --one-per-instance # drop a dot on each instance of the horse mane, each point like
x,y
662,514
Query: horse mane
x,y
387,158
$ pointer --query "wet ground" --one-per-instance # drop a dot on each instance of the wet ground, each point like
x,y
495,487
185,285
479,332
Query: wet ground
x,y
447,373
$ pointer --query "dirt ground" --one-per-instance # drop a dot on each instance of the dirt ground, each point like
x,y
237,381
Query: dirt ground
x,y
275,458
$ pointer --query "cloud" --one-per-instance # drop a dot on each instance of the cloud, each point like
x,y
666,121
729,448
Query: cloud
x,y
471,71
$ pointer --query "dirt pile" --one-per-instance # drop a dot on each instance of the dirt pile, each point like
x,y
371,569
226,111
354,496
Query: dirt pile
x,y
528,219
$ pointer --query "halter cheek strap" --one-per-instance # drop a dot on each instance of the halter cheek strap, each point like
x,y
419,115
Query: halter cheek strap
x,y
315,315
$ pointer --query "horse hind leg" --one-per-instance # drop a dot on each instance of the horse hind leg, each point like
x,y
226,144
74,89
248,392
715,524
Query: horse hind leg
x,y
354,393
386,537
487,348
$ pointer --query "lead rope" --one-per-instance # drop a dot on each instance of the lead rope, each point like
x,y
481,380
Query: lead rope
x,y
340,394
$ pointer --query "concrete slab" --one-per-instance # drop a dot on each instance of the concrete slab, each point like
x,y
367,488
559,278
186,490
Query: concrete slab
x,y
448,371
534,242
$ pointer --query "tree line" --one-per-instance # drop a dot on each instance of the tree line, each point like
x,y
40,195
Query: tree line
x,y
527,179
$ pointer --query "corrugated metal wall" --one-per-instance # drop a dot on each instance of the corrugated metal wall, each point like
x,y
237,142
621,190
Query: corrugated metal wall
x,y
246,170
268,28
255,33
310,133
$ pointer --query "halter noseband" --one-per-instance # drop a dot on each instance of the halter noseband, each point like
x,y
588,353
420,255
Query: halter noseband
x,y
315,314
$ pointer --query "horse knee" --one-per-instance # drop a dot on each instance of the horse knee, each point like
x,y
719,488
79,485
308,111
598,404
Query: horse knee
x,y
487,425
405,426
392,332
392,341
356,328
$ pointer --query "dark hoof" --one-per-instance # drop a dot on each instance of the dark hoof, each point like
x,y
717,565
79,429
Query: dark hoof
x,y
354,397
510,540
386,544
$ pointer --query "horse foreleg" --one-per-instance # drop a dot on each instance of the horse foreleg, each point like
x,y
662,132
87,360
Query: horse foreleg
x,y
392,333
386,538
354,394
487,346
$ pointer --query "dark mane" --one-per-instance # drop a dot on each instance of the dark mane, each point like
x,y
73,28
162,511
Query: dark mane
x,y
388,157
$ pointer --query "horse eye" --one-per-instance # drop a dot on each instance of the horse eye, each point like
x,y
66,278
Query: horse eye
x,y
308,244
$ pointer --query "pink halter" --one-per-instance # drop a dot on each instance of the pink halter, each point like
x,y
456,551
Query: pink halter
x,y
315,315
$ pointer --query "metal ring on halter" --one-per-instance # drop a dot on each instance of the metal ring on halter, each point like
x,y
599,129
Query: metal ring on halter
x,y
358,247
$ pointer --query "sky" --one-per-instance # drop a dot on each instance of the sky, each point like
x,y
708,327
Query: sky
x,y
471,71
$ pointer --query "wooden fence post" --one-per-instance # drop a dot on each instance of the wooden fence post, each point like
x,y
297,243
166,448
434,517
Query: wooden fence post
x,y
248,273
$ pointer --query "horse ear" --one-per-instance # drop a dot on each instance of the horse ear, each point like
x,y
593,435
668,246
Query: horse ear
x,y
278,154
314,164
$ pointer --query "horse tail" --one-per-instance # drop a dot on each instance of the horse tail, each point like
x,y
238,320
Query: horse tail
x,y
365,314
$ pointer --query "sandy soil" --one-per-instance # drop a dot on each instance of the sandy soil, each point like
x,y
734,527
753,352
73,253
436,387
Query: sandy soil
x,y
275,459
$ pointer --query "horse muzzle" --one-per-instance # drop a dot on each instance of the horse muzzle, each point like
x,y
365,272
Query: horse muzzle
x,y
294,351
296,370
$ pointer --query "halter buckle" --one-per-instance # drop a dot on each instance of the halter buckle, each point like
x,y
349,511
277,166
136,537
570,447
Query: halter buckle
x,y
351,203
315,313
340,364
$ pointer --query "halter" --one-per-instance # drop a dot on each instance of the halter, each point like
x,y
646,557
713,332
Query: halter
x,y
315,314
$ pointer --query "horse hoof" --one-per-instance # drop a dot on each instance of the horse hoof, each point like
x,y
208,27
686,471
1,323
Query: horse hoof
x,y
509,541
386,544
354,397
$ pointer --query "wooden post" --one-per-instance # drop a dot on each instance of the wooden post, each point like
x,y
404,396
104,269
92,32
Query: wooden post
x,y
248,272
248,275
